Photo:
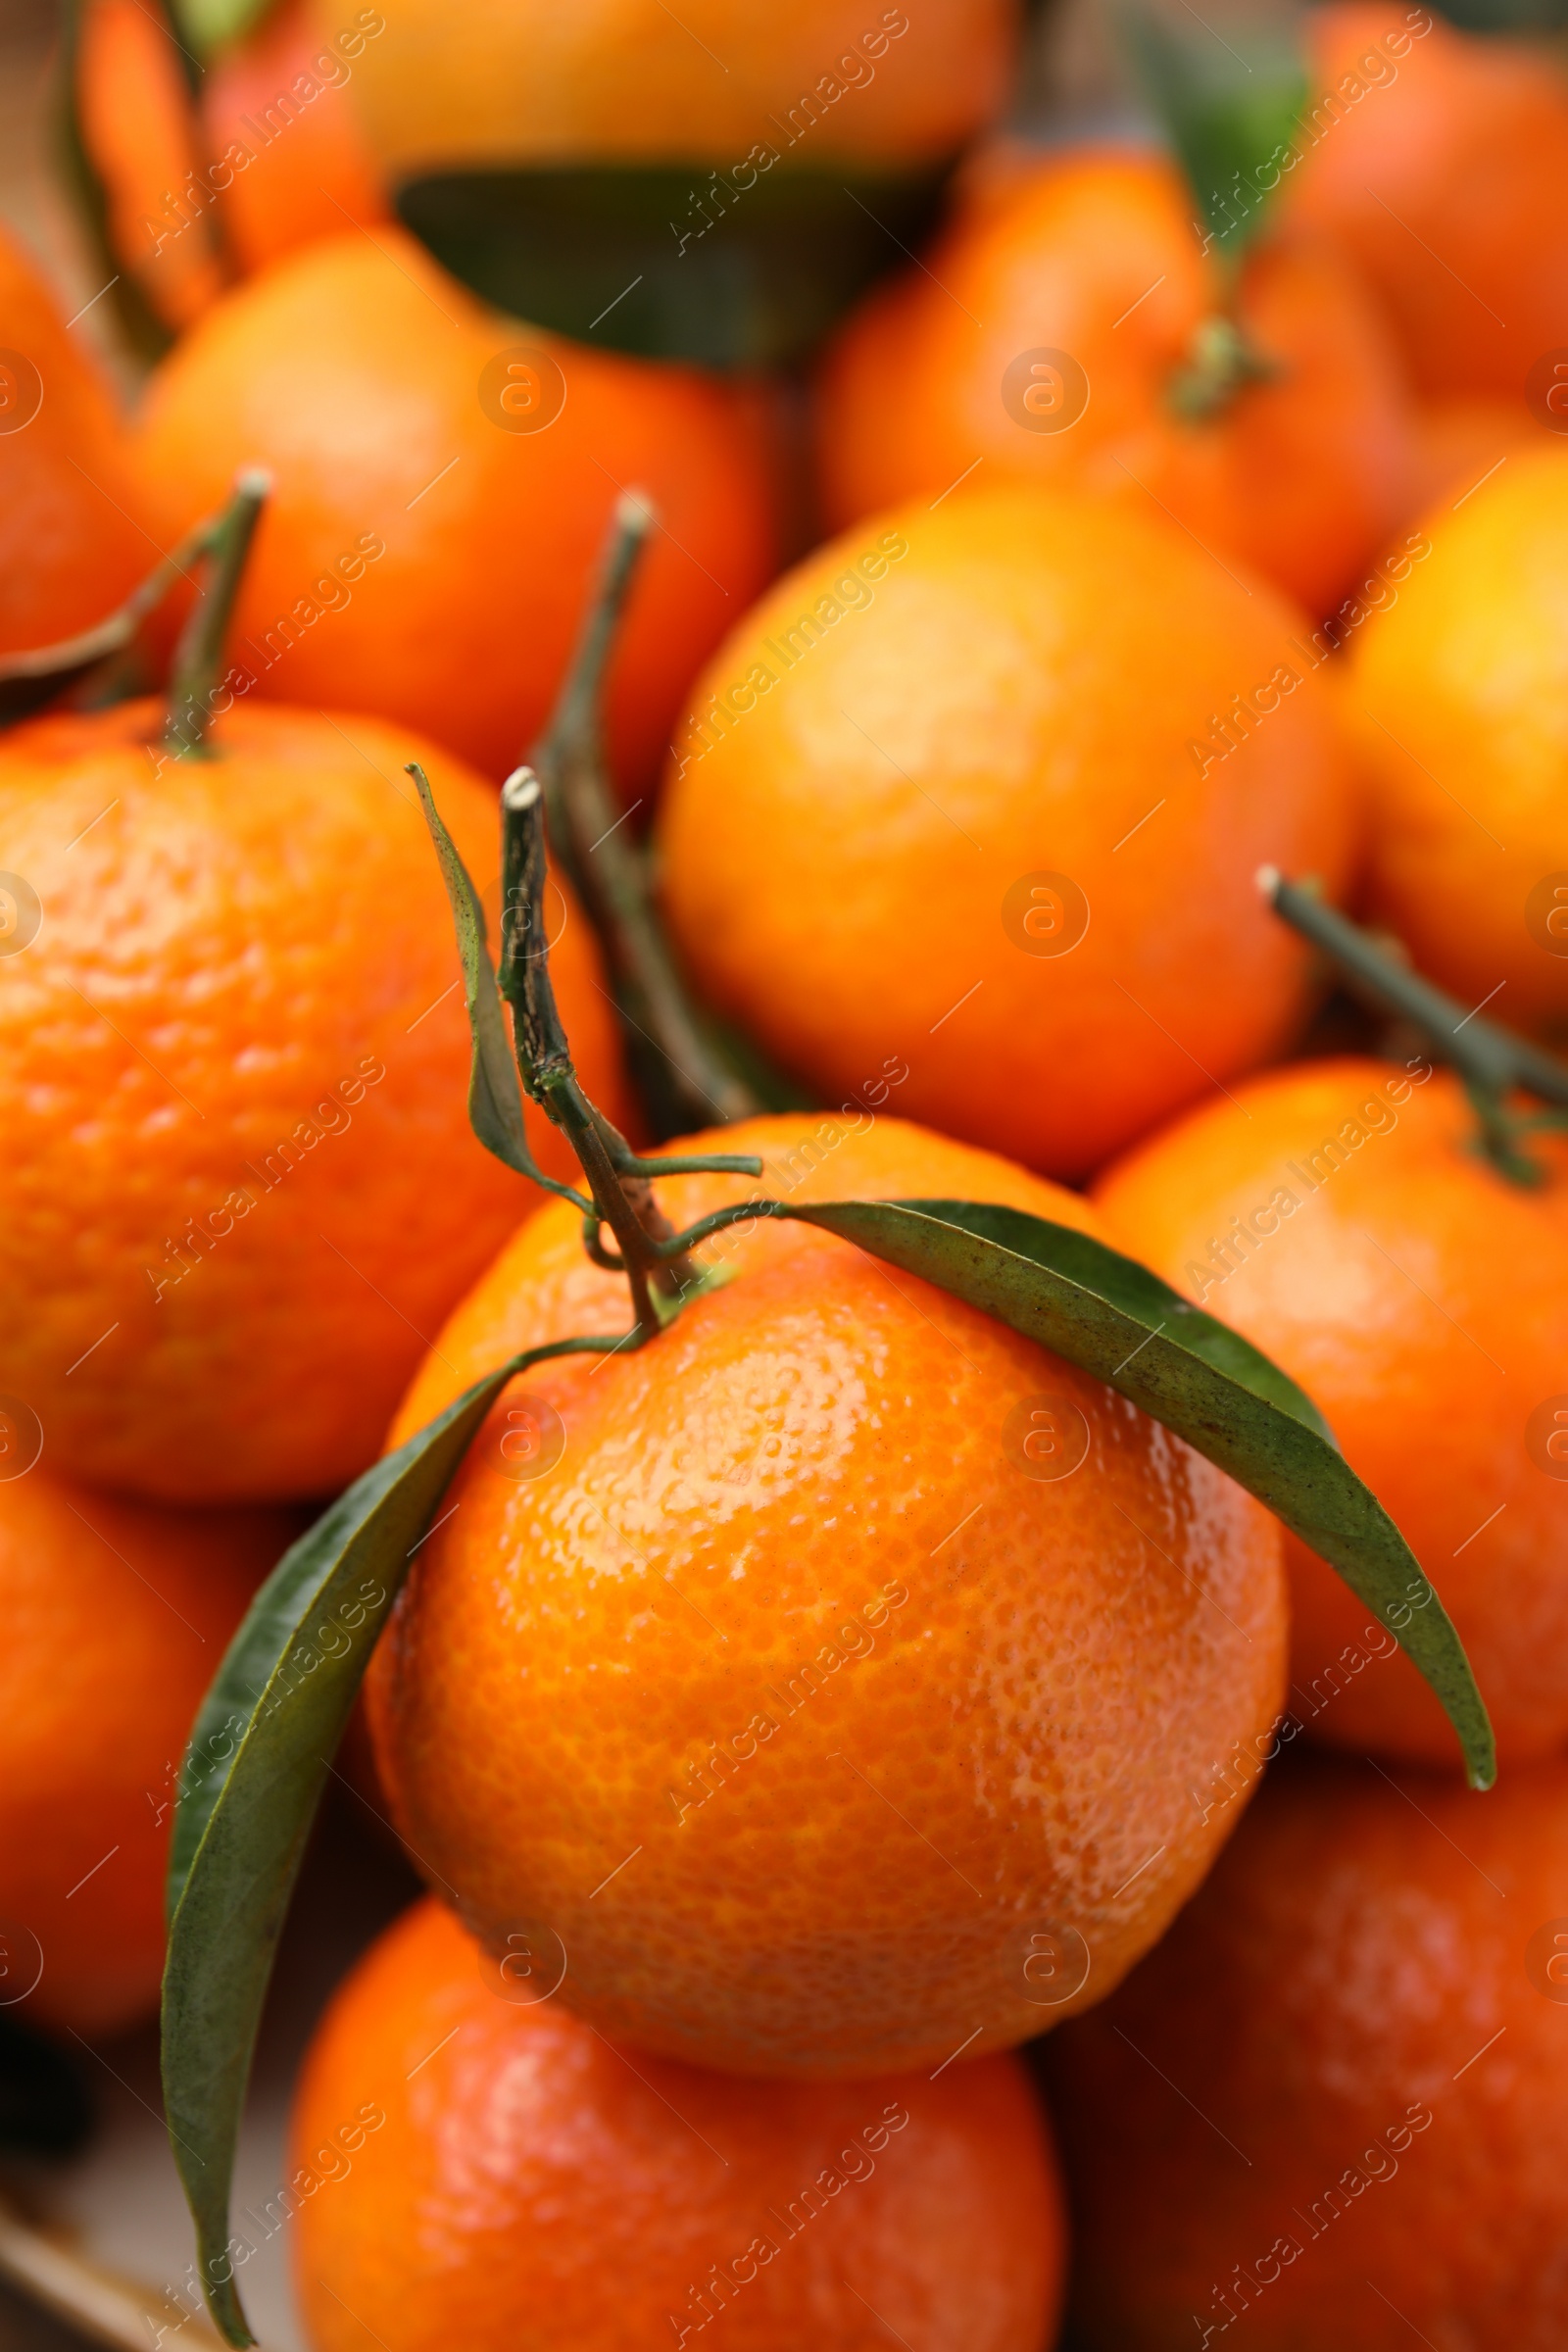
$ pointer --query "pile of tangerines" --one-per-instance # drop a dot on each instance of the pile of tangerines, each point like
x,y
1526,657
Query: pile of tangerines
x,y
917,1855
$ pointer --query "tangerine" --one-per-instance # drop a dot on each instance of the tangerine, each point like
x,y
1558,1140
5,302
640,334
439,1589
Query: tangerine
x,y
70,545
1459,692
117,1617
527,83
473,463
1438,163
1332,2108
822,1681
1056,333
234,1040
479,2166
985,789
1339,1215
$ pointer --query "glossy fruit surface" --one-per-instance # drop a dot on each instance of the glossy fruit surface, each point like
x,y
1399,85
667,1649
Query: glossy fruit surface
x,y
827,1677
530,82
234,1042
987,788
1438,162
1338,1214
484,2169
116,1616
1047,338
1459,692
377,391
1333,2107
70,545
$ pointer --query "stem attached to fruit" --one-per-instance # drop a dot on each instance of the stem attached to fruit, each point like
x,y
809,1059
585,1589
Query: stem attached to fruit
x,y
590,836
193,685
652,1255
1493,1062
1221,361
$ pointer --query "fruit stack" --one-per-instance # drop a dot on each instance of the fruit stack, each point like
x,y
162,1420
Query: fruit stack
x,y
783,946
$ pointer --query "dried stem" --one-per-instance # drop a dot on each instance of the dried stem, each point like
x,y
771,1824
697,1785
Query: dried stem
x,y
608,868
1493,1062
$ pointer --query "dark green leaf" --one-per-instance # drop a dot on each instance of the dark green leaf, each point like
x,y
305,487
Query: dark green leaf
x,y
252,1780
1229,107
676,261
1122,1324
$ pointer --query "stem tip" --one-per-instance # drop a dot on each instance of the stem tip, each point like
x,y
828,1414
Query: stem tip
x,y
520,790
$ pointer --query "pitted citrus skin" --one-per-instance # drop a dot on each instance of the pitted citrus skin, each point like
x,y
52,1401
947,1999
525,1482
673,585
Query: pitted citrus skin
x,y
818,1734
502,2176
234,1061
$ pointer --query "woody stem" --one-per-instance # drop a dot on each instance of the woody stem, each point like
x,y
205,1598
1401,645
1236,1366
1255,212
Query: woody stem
x,y
591,835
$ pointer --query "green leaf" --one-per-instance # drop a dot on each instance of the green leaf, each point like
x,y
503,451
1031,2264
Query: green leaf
x,y
1119,1322
495,1097
746,267
1229,107
251,1783
212,24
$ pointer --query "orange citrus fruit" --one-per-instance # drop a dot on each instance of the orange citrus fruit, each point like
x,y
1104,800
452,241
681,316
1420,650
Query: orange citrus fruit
x,y
141,139
822,1684
527,83
985,789
1339,1215
1332,2108
1438,163
1049,337
1461,442
234,1040
469,466
284,162
72,546
116,1615
1458,691
471,2165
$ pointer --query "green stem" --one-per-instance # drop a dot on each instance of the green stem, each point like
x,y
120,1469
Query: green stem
x,y
591,835
200,651
1221,361
1492,1060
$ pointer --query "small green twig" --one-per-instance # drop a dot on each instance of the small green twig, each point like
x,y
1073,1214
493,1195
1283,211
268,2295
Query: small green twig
x,y
608,868
200,651
1493,1062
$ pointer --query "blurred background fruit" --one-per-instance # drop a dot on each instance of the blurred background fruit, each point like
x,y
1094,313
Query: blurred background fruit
x,y
986,788
477,463
865,1650
1330,2109
117,1616
1062,328
1459,692
1339,1215
515,2174
72,546
1438,162
233,1035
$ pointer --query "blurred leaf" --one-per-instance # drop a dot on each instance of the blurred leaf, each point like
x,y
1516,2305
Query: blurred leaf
x,y
145,332
212,24
1229,105
675,262
252,1780
1116,1320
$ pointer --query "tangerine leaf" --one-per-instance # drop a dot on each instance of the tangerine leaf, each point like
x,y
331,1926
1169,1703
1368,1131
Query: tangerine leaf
x,y
1230,112
250,1785
747,266
212,24
1122,1324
